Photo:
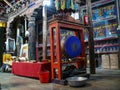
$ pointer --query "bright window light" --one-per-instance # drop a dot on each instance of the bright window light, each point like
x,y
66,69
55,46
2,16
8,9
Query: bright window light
x,y
46,2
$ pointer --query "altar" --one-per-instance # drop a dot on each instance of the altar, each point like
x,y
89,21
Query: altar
x,y
30,69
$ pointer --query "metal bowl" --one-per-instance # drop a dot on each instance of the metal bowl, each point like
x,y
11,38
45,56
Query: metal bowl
x,y
77,81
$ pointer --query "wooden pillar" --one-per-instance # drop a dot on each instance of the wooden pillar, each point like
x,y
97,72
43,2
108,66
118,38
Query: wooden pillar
x,y
2,40
32,39
44,32
52,51
91,38
58,52
18,45
118,29
25,19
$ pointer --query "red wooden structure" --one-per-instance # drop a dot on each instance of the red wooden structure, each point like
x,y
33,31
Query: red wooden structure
x,y
56,59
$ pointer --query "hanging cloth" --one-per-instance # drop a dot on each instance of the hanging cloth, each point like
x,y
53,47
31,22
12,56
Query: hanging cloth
x,y
63,4
57,4
68,2
72,4
75,5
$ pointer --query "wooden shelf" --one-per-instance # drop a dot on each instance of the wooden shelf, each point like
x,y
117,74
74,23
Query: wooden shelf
x,y
39,51
74,60
106,52
108,38
68,62
103,39
40,46
103,19
106,45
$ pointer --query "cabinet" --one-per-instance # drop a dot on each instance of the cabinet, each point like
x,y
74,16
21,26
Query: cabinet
x,y
104,30
110,61
56,25
104,19
39,52
104,46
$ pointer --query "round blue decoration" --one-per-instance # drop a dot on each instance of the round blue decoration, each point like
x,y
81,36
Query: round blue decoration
x,y
73,46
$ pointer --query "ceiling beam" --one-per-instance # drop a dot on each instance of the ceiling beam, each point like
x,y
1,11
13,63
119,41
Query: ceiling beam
x,y
9,4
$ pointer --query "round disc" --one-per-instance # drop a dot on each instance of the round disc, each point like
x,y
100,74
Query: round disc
x,y
73,46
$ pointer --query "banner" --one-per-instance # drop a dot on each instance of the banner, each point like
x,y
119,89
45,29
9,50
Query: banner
x,y
66,5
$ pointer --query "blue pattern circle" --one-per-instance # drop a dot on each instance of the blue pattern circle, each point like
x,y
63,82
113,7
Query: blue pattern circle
x,y
73,46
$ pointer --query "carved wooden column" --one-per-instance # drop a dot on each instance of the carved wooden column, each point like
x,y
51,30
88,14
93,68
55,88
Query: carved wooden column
x,y
31,39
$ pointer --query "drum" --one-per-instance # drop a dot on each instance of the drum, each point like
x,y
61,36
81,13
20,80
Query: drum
x,y
73,46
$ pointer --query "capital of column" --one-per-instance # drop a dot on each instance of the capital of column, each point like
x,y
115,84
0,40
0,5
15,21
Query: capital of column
x,y
31,21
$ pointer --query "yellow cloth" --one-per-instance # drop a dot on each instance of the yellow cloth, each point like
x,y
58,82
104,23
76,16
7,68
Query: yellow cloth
x,y
72,4
7,57
8,63
63,4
